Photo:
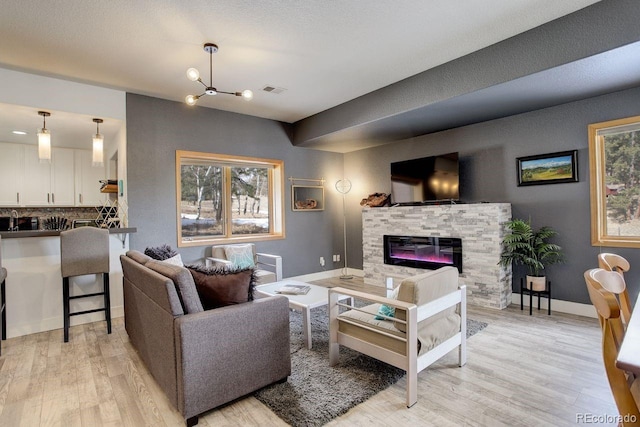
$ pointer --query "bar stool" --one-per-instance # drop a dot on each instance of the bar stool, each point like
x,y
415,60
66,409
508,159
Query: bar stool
x,y
3,277
84,251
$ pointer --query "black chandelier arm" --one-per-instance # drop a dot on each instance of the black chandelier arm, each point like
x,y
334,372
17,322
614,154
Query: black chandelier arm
x,y
210,67
230,93
200,80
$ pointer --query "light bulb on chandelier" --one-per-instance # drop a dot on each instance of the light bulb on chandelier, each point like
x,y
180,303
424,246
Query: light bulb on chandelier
x,y
194,75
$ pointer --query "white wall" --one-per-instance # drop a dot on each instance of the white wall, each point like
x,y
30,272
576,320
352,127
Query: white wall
x,y
30,90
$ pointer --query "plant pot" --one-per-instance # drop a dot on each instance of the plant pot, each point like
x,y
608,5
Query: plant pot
x,y
537,283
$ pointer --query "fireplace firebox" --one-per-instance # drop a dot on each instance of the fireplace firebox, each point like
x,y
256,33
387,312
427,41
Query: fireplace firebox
x,y
423,252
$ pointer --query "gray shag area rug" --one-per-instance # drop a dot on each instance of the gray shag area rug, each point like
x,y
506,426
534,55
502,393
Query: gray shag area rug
x,y
316,393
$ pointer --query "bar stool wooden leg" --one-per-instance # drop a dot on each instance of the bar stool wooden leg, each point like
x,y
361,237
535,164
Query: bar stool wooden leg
x,y
65,306
107,301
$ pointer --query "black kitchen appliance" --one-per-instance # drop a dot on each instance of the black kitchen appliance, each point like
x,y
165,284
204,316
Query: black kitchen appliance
x,y
23,223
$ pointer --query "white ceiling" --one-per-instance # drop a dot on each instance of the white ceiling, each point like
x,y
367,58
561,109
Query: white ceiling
x,y
323,53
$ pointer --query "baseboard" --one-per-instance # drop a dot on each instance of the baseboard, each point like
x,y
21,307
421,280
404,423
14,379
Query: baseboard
x,y
561,306
327,274
53,323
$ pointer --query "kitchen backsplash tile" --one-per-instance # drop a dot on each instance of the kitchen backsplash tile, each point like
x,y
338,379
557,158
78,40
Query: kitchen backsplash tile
x,y
70,213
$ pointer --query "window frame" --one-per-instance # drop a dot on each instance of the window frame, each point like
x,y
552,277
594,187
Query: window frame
x,y
276,197
597,175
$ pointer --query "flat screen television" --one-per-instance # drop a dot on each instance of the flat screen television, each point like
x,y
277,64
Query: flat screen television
x,y
426,179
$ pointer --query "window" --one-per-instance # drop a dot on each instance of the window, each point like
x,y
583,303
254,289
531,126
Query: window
x,y
228,198
614,157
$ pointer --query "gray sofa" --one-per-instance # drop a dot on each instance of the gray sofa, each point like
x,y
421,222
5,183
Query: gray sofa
x,y
201,359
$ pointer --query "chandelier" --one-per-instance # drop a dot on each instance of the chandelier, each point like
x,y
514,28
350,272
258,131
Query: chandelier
x,y
194,75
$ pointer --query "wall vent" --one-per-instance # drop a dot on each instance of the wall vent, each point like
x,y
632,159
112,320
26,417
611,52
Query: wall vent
x,y
273,89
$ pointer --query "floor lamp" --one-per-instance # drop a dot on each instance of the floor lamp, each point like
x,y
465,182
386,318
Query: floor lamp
x,y
344,186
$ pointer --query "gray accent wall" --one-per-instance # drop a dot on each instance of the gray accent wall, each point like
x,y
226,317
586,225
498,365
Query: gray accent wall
x,y
157,128
488,153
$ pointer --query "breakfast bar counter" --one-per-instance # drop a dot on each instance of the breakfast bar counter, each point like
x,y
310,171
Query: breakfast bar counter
x,y
34,281
47,233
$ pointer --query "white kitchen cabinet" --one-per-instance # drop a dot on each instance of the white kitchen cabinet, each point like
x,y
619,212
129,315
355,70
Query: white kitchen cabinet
x,y
88,180
11,172
69,180
48,184
63,177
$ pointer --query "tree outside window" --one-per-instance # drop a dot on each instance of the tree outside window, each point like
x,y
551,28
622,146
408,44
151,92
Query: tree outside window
x,y
228,198
614,155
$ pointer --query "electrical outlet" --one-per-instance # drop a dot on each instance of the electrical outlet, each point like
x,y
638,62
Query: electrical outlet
x,y
338,258
322,261
335,258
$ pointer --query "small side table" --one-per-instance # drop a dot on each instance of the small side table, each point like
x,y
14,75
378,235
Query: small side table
x,y
546,292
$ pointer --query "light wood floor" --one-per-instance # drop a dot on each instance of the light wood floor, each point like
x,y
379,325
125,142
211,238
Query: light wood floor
x,y
521,371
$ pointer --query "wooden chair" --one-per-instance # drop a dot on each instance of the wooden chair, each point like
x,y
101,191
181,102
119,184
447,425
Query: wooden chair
x,y
623,385
425,327
614,262
268,267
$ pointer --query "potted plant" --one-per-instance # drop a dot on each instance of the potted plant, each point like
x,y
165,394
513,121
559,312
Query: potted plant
x,y
529,247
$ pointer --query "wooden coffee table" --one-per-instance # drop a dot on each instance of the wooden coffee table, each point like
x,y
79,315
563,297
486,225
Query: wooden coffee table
x,y
317,297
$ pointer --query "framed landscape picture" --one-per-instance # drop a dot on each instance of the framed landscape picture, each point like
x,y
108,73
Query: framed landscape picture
x,y
552,168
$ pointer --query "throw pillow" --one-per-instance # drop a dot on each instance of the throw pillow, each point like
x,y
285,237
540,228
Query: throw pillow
x,y
386,310
240,255
161,252
174,260
219,287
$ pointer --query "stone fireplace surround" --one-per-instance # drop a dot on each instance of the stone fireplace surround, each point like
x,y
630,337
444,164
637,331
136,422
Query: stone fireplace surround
x,y
479,225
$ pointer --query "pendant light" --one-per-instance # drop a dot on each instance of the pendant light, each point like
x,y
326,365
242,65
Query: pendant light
x,y
44,139
98,145
194,75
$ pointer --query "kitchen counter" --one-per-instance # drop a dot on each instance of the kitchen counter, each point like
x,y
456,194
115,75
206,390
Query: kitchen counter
x,y
46,233
34,281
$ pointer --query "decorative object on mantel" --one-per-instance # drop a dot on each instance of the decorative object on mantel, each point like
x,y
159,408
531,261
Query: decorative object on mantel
x,y
194,75
376,200
529,247
44,139
307,197
344,186
552,168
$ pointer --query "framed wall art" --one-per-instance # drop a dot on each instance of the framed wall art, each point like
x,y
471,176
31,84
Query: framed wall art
x,y
551,168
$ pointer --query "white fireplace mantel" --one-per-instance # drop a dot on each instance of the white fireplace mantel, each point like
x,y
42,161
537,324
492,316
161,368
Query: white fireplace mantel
x,y
481,226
